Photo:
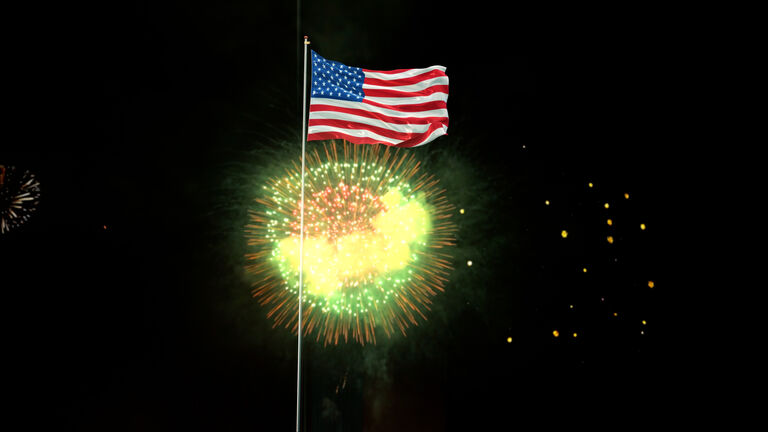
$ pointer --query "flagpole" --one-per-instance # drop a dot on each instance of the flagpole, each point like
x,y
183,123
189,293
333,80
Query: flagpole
x,y
301,235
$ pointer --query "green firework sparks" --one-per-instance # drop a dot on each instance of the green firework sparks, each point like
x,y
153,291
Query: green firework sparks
x,y
378,233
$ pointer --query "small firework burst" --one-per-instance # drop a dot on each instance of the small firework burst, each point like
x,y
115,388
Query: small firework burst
x,y
19,196
376,238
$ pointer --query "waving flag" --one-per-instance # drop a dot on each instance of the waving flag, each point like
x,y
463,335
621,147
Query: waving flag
x,y
402,108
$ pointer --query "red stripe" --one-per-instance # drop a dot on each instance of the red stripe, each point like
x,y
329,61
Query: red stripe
x,y
393,71
405,81
412,142
338,135
375,115
346,124
424,106
396,93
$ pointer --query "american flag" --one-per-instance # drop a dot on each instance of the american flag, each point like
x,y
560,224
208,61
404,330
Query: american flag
x,y
402,107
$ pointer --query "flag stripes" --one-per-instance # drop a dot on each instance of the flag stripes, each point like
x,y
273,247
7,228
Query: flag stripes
x,y
403,107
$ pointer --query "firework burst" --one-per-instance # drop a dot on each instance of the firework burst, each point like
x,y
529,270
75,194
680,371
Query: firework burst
x,y
376,246
19,196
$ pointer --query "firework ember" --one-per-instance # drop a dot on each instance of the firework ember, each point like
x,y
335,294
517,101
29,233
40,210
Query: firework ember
x,y
377,233
19,196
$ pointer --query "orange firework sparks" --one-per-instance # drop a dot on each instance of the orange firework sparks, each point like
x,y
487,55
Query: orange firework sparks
x,y
376,246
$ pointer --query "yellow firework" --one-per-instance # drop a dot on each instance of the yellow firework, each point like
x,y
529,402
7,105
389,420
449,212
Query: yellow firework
x,y
378,233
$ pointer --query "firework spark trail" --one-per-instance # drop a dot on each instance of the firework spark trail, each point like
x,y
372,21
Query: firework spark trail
x,y
375,227
19,196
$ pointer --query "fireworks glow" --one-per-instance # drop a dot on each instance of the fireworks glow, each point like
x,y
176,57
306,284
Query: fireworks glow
x,y
377,233
19,195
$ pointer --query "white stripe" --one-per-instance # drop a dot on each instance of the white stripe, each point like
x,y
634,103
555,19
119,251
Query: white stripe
x,y
406,128
413,87
409,100
375,109
434,135
407,74
354,132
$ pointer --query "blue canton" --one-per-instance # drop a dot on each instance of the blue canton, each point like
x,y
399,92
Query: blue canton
x,y
333,80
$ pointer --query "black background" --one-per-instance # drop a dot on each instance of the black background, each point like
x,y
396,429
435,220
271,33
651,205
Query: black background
x,y
125,112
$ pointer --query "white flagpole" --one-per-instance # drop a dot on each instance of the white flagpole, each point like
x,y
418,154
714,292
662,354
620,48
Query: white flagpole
x,y
301,235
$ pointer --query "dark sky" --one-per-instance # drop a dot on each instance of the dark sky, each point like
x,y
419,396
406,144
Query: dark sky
x,y
126,308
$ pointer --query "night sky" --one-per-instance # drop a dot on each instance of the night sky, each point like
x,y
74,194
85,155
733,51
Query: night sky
x,y
127,305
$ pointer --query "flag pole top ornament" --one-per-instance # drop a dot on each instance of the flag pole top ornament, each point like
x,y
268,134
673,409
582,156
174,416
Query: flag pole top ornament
x,y
306,40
